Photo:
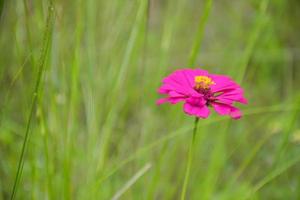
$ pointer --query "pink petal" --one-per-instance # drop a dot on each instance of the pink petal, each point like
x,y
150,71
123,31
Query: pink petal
x,y
172,100
230,91
172,86
223,86
188,75
183,77
197,101
222,83
221,109
225,109
175,94
243,100
199,111
235,113
181,81
229,99
191,74
161,101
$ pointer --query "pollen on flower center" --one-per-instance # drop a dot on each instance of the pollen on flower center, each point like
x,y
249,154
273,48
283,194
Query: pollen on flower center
x,y
203,82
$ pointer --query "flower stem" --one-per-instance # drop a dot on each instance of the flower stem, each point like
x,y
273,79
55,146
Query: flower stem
x,y
190,158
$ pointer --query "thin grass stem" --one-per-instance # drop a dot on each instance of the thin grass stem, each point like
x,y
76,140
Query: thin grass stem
x,y
200,32
131,181
43,57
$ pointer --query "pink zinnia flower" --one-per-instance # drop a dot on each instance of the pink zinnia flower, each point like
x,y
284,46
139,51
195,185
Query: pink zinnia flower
x,y
200,90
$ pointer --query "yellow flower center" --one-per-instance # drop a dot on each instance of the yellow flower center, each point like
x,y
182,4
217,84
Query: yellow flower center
x,y
203,82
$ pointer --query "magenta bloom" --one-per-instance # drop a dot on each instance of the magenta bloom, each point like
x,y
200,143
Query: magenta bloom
x,y
200,90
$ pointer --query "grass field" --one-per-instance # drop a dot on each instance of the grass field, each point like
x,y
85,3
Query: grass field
x,y
78,86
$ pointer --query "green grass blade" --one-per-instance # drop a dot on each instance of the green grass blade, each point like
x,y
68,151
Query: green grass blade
x,y
44,52
200,32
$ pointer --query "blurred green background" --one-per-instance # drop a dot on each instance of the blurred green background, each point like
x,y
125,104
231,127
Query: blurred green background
x,y
81,76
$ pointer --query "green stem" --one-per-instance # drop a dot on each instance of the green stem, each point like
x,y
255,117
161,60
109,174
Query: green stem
x,y
34,98
190,158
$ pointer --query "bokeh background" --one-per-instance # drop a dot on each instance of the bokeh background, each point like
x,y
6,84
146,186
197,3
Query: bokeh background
x,y
82,75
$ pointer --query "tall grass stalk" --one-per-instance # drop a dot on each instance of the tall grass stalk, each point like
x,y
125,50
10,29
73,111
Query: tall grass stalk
x,y
200,33
272,175
292,119
260,23
36,93
114,108
217,161
48,162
